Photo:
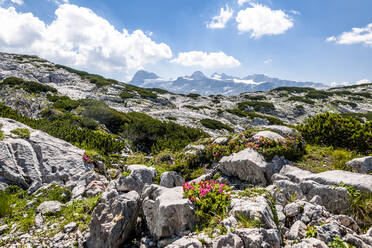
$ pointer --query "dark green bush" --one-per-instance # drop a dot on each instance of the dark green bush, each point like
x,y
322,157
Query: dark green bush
x,y
214,124
149,134
66,128
240,113
29,86
294,89
338,102
359,116
335,130
145,93
126,95
301,99
98,80
364,94
21,132
256,105
255,98
193,96
318,94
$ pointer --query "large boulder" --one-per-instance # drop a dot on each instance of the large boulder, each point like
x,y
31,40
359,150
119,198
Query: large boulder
x,y
136,180
256,208
361,165
39,159
171,179
268,135
248,165
49,207
113,219
186,242
229,240
331,178
282,130
167,213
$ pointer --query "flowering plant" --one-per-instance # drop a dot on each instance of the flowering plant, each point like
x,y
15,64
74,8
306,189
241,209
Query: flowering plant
x,y
87,159
211,198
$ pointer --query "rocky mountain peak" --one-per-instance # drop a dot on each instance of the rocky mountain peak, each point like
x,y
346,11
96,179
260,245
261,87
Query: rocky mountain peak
x,y
198,75
142,75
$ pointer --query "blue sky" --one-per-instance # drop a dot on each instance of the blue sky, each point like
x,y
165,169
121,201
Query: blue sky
x,y
294,39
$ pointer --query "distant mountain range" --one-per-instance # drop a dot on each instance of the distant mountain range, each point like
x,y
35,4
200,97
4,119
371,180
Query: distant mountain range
x,y
215,84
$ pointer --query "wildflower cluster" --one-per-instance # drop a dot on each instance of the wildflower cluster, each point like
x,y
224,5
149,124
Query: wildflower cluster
x,y
88,159
290,147
212,199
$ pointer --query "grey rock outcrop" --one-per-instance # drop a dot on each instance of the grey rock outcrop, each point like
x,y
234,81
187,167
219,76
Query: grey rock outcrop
x,y
166,211
171,179
259,237
268,135
185,242
114,219
49,207
248,165
361,165
136,180
39,159
334,177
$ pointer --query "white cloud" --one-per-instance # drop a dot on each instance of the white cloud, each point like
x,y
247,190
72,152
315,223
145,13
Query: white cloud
x,y
221,20
78,37
20,2
205,60
241,2
356,35
363,81
268,61
261,20
330,39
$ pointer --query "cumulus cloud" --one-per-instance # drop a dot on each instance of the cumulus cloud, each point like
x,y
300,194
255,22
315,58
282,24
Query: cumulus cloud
x,y
356,35
261,20
205,60
241,2
221,20
20,2
79,37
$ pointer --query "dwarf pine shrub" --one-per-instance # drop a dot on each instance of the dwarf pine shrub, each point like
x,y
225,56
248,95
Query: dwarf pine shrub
x,y
334,130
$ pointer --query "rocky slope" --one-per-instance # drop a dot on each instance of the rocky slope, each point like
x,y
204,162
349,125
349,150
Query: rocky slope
x,y
288,104
273,204
228,190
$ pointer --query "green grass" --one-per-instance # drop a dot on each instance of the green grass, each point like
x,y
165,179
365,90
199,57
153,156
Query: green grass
x,y
215,125
23,133
322,158
245,222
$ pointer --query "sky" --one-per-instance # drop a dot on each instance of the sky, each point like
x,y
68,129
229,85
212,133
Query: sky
x,y
327,41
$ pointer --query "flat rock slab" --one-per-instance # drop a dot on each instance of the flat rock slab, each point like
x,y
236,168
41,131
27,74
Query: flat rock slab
x,y
268,135
335,177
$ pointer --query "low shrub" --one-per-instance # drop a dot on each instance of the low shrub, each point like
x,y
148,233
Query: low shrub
x,y
145,93
272,120
29,86
193,96
256,105
212,200
126,95
334,130
255,98
311,232
318,94
215,125
21,132
338,243
339,102
294,89
301,99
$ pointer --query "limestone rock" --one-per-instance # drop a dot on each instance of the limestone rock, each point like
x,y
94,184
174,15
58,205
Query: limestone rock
x,y
256,208
268,135
138,177
248,165
259,237
167,212
49,207
361,165
171,179
113,219
228,241
185,242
